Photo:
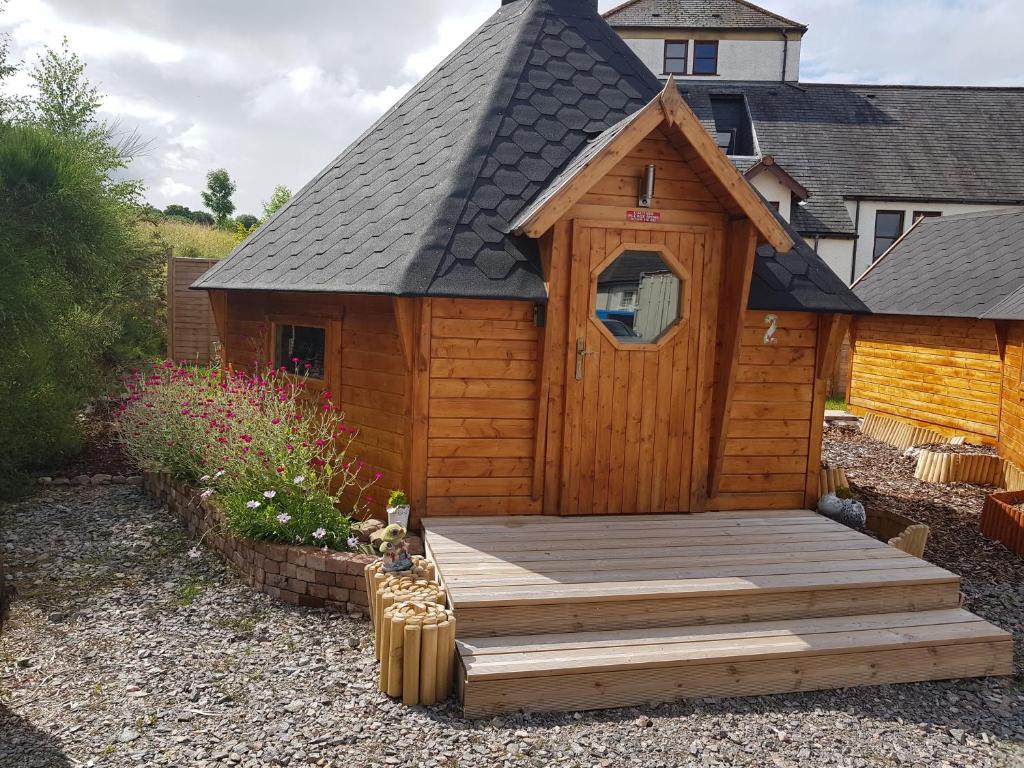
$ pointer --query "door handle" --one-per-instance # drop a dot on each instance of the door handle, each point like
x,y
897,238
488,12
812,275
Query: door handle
x,y
581,356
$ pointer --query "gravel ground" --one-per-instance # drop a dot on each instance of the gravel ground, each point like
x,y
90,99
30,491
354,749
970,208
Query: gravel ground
x,y
125,651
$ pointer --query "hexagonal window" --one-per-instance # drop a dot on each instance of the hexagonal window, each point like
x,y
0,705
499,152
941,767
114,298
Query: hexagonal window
x,y
639,297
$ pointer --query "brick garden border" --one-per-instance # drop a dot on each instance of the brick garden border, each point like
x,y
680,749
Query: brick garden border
x,y
304,576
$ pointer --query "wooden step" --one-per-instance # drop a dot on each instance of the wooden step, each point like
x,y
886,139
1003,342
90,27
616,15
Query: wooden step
x,y
540,575
594,670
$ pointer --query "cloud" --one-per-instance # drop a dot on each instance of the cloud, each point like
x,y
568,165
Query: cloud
x,y
273,91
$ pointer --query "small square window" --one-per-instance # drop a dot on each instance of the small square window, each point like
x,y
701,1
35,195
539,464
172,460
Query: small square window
x,y
675,57
300,349
705,57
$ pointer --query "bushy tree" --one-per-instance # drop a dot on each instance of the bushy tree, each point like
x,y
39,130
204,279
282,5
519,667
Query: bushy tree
x,y
82,291
247,220
8,104
181,211
278,198
65,101
202,217
217,195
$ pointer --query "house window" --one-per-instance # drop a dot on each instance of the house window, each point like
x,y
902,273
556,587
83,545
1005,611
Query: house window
x,y
888,228
926,215
675,57
300,349
705,57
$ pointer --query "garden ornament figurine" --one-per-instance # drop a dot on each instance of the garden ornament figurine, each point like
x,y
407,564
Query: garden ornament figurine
x,y
394,550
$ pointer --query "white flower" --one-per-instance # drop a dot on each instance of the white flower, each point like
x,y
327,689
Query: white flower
x,y
206,494
319,533
283,518
218,473
299,479
352,542
194,553
252,504
269,494
204,479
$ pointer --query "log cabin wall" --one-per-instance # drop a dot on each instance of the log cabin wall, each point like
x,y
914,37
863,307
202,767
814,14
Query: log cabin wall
x,y
365,371
482,408
1011,417
770,449
938,372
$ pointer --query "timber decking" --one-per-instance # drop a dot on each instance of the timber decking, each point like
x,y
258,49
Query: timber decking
x,y
584,612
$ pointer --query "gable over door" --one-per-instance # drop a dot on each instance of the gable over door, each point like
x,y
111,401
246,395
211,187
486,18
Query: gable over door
x,y
633,392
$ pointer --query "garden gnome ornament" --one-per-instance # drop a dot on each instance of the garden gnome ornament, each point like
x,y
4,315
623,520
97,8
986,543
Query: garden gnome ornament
x,y
394,550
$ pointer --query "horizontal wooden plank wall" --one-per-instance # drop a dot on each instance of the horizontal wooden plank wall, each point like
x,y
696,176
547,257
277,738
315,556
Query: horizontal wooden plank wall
x,y
365,371
484,371
937,372
191,331
1011,419
769,433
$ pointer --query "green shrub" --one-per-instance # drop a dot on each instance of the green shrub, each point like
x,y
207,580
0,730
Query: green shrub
x,y
188,239
80,294
274,458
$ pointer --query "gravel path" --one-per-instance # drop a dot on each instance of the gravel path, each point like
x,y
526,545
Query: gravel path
x,y
125,651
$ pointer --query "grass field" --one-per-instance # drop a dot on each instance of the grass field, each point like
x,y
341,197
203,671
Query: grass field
x,y
194,241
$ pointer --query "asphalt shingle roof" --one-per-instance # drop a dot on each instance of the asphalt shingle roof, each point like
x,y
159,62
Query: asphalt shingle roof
x,y
698,14
968,265
882,142
421,202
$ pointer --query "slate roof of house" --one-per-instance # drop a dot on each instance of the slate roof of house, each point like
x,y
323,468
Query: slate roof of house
x,y
914,143
421,203
698,14
968,265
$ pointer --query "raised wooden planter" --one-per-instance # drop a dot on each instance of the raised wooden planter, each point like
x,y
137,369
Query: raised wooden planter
x,y
832,480
1002,521
900,434
942,467
899,531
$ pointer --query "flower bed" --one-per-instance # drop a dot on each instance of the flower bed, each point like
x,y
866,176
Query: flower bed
x,y
299,575
1002,519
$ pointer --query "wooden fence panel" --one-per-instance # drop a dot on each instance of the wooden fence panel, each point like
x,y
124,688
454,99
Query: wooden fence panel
x,y
191,331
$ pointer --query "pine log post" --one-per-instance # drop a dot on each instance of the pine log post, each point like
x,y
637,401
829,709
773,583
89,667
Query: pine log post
x,y
418,664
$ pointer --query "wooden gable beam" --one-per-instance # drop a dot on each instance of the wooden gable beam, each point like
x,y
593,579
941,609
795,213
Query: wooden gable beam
x,y
595,169
679,115
738,269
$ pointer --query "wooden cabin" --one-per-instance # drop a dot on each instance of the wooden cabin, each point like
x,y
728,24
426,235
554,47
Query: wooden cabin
x,y
550,302
942,348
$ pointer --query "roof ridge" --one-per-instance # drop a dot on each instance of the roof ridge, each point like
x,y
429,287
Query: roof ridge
x,y
476,159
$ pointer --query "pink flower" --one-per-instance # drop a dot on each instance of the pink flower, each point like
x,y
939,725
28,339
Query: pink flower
x,y
283,518
319,533
280,470
377,475
253,504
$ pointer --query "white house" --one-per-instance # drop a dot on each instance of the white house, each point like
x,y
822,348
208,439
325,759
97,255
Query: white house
x,y
851,166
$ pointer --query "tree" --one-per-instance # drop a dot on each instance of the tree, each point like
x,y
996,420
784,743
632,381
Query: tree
x,y
217,196
81,295
7,103
181,211
202,217
247,220
278,198
65,101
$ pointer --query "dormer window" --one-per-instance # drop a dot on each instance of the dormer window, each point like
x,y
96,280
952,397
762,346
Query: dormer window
x,y
675,57
734,131
705,57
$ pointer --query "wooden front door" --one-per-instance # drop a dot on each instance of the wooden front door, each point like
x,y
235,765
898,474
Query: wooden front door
x,y
631,400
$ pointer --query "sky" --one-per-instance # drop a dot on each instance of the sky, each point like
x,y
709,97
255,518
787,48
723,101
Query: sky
x,y
272,91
